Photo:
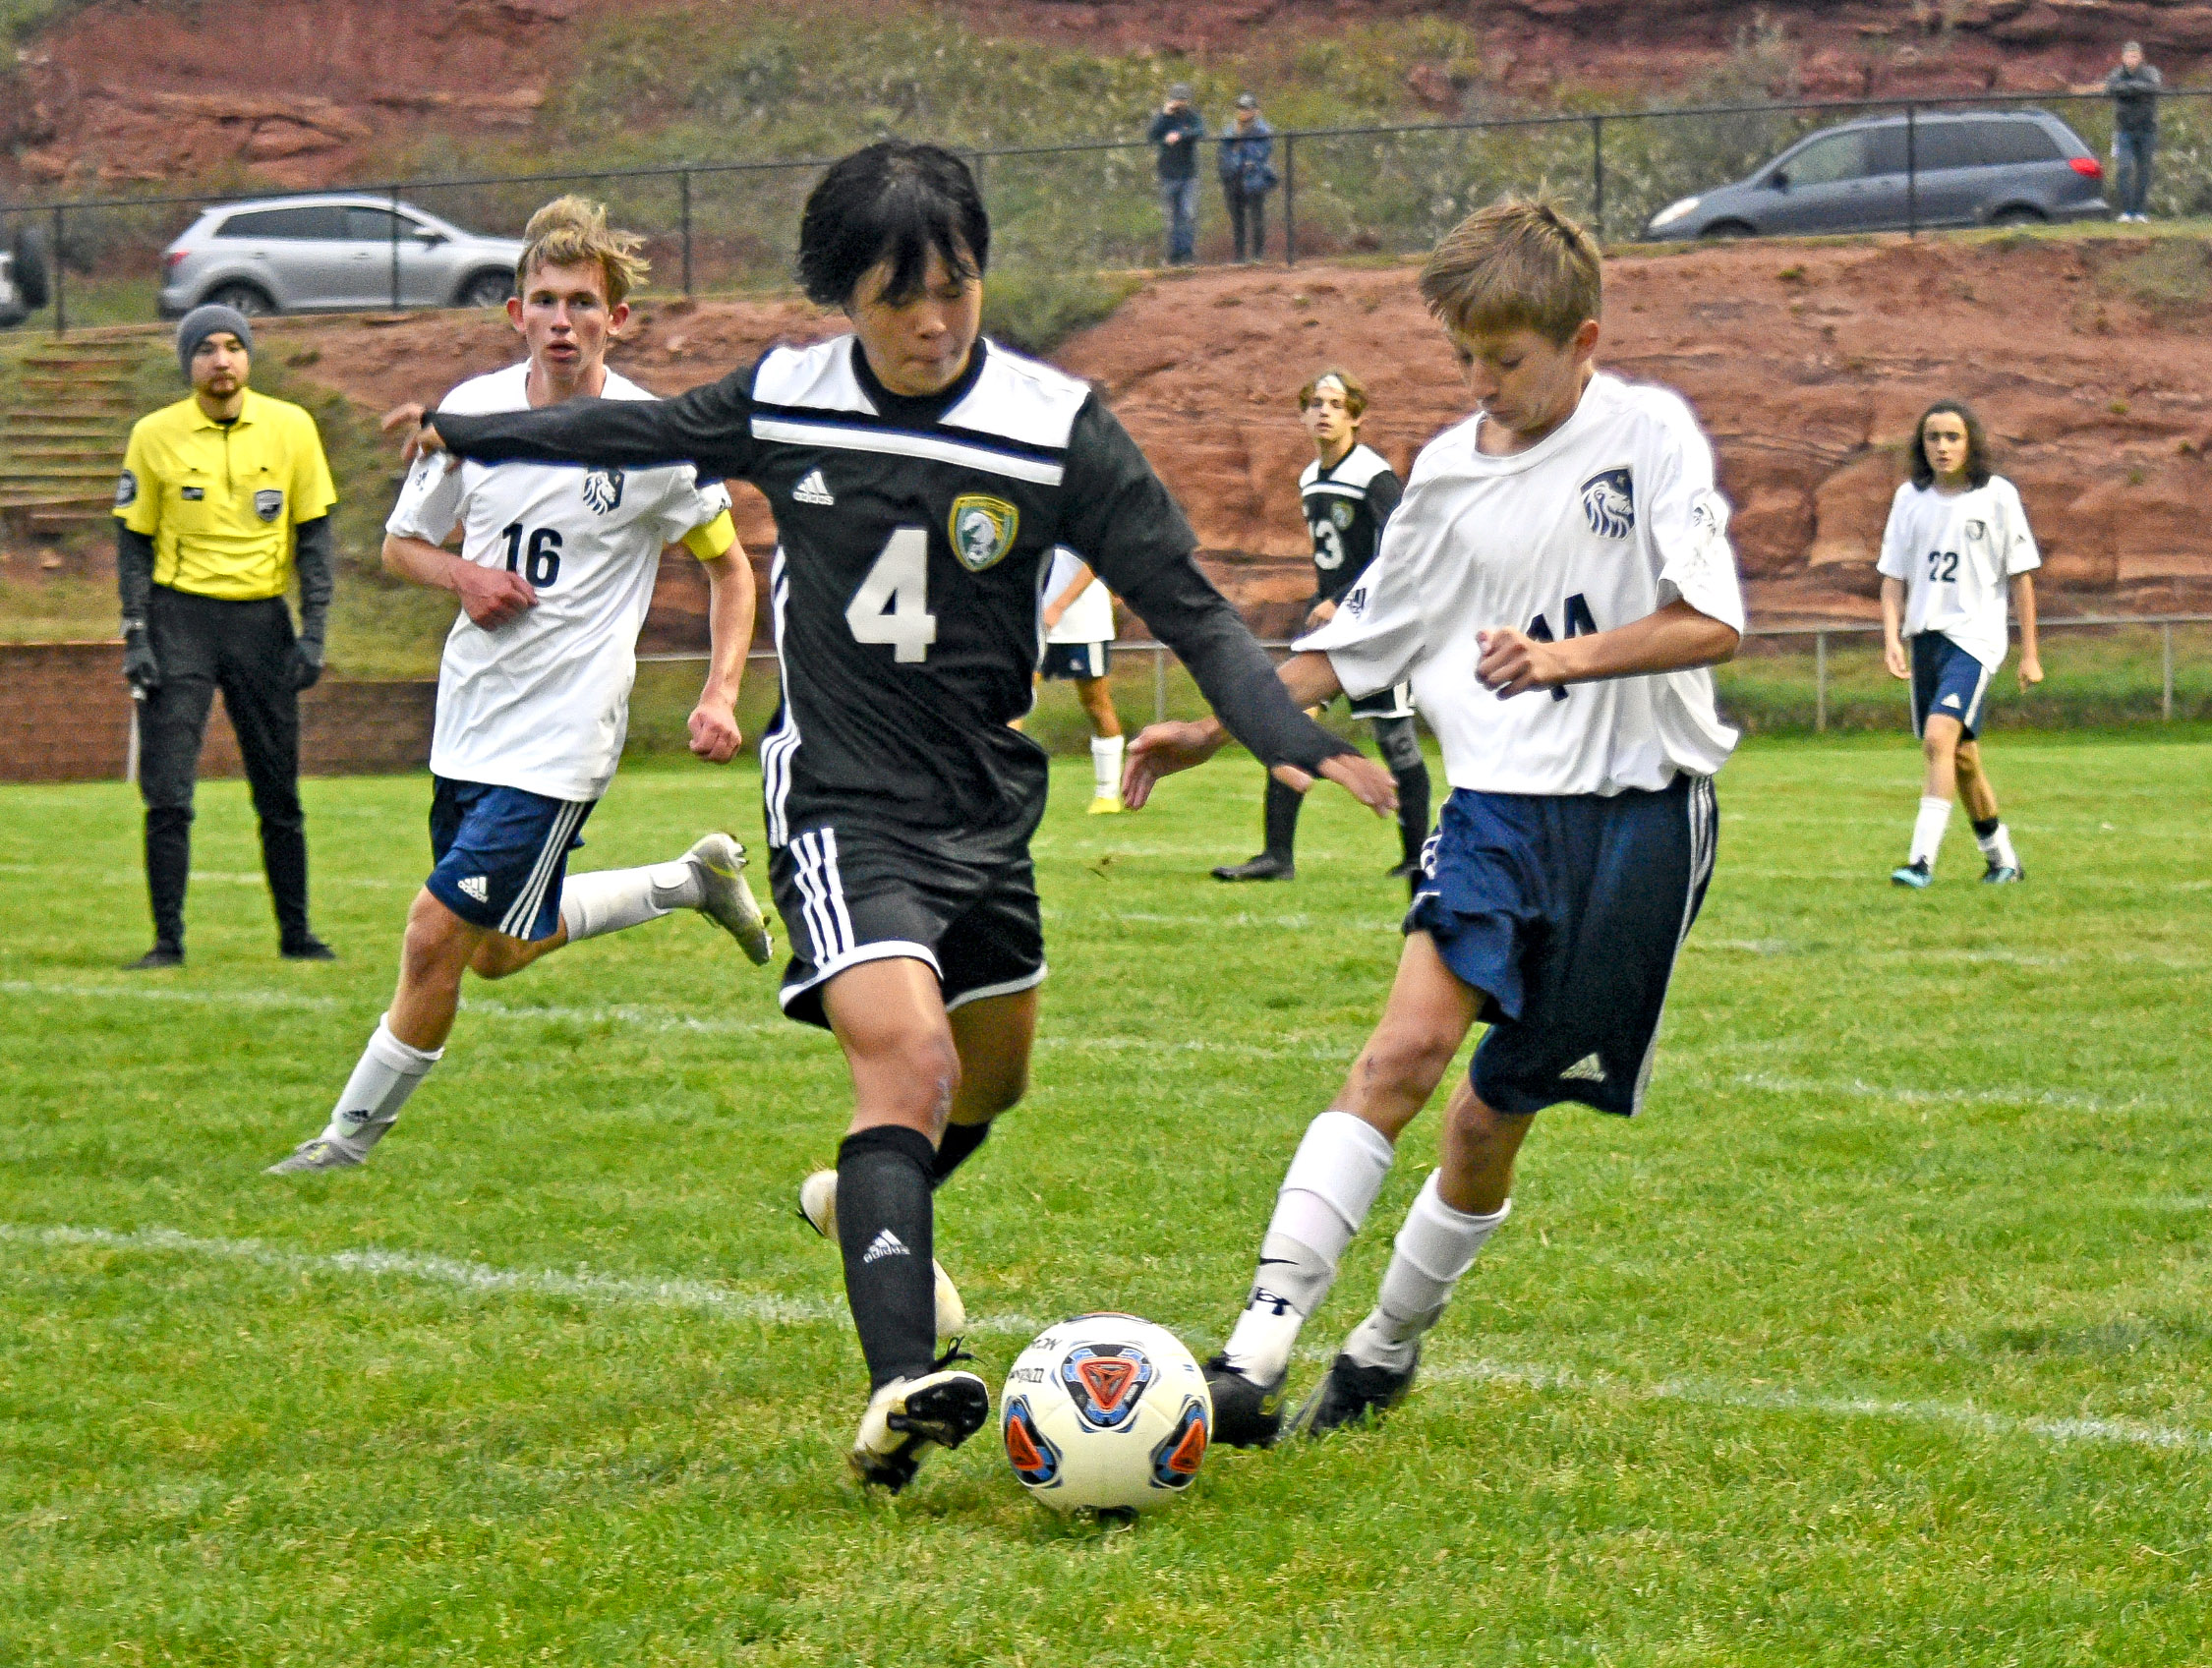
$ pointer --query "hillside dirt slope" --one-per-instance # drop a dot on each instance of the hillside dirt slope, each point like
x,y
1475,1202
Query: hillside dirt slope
x,y
303,93
1808,366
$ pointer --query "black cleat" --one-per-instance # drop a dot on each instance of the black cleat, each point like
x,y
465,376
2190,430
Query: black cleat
x,y
2003,875
1246,1415
162,955
1352,1394
305,947
906,1415
1265,867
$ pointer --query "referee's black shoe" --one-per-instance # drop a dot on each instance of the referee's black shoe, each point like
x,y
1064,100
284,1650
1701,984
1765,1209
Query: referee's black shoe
x,y
166,952
305,947
1265,867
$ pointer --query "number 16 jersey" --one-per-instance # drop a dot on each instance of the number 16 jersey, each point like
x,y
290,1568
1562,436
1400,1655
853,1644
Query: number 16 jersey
x,y
542,703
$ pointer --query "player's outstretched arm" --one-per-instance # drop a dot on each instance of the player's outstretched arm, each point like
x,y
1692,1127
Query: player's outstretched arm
x,y
708,426
1311,681
1675,638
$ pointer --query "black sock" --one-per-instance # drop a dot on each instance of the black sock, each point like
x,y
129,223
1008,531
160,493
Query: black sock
x,y
168,866
1984,827
1413,810
885,1231
956,1149
1282,818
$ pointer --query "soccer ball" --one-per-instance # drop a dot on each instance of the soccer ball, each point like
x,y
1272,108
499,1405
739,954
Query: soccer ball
x,y
1105,1412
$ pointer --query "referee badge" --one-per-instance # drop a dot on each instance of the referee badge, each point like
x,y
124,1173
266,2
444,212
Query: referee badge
x,y
269,503
982,530
126,489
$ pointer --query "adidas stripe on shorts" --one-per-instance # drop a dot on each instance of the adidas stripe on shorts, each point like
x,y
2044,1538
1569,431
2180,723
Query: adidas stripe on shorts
x,y
500,854
963,903
1566,913
1947,683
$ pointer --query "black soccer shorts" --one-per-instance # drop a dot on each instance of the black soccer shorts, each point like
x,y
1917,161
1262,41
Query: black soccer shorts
x,y
963,903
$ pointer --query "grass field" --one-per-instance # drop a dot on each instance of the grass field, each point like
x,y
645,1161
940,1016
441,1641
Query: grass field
x,y
1881,1336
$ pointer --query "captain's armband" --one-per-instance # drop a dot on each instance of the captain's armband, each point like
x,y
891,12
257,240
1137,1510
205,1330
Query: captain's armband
x,y
712,539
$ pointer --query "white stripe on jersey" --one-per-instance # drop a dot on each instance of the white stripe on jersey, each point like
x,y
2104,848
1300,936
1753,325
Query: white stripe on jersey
x,y
1015,397
897,443
777,746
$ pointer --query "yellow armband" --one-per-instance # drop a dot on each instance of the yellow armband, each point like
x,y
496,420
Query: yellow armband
x,y
712,539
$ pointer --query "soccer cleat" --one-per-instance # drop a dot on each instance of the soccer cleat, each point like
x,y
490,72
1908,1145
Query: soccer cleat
x,y
305,947
1916,875
2003,875
946,1407
1265,867
162,955
726,900
1245,1413
322,1152
818,1204
1353,1393
1105,805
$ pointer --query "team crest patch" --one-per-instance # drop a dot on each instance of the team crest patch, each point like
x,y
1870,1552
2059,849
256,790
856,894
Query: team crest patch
x,y
126,489
269,503
1977,531
1106,1381
1340,512
602,490
1609,503
982,530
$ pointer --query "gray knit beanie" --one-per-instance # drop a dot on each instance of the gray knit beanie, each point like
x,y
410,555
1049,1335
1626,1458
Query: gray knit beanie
x,y
205,321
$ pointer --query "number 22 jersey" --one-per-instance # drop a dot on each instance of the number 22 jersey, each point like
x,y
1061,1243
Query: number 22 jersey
x,y
543,702
1954,551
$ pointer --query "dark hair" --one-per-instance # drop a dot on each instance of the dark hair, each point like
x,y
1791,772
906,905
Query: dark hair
x,y
892,202
1977,445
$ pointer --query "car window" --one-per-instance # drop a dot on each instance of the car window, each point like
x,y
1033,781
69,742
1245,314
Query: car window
x,y
2013,142
373,225
288,223
1838,156
1886,150
1943,144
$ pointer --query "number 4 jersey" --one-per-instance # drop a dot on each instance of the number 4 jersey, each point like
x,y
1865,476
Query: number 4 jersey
x,y
1605,520
1954,551
542,703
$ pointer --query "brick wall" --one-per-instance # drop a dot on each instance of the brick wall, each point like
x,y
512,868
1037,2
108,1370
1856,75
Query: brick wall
x,y
65,716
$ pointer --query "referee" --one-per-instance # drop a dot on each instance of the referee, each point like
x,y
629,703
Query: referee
x,y
222,495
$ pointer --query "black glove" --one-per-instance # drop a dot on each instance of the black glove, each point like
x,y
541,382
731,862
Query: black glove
x,y
140,668
307,662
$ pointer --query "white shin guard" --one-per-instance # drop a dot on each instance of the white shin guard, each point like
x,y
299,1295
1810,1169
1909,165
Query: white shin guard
x,y
610,900
383,1078
1106,766
1436,1245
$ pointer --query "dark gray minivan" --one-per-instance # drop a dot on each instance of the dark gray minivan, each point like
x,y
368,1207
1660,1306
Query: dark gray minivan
x,y
1979,168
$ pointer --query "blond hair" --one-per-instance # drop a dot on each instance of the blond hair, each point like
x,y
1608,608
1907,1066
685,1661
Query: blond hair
x,y
571,230
1519,264
1355,391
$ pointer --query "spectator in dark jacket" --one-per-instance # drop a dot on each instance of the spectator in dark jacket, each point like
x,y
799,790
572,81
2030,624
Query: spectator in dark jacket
x,y
1174,135
2134,88
1247,175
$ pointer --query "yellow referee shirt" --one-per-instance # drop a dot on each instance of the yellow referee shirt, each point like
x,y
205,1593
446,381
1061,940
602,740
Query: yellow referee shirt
x,y
220,500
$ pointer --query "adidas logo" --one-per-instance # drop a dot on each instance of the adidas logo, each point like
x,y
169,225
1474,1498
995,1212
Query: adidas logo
x,y
1948,701
477,888
816,490
884,1244
1586,1069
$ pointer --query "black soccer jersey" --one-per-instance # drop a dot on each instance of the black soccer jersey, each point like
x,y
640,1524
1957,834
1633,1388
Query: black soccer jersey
x,y
914,538
1346,506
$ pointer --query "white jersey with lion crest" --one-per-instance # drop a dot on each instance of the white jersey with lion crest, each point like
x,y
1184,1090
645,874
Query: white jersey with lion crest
x,y
1608,518
543,702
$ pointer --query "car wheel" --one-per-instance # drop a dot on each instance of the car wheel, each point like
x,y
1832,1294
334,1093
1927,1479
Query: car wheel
x,y
2019,214
487,289
31,272
248,298
1728,229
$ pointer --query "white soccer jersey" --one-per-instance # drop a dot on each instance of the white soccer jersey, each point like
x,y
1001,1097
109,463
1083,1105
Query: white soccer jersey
x,y
1609,518
542,703
1091,616
1954,553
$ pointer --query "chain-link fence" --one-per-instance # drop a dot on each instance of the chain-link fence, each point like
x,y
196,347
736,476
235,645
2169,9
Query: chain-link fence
x,y
1392,190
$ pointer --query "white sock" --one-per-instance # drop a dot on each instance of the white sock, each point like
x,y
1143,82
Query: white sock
x,y
1106,766
609,900
1928,831
1436,1245
1997,846
383,1078
1325,1196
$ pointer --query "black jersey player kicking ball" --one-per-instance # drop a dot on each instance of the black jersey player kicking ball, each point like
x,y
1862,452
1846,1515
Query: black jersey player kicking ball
x,y
921,477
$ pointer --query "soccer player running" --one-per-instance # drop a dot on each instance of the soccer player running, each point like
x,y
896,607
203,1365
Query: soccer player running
x,y
921,477
1078,624
1554,583
1348,493
554,577
1956,534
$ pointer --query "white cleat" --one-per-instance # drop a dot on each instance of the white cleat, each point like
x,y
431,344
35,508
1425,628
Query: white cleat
x,y
907,1414
818,1203
729,902
332,1152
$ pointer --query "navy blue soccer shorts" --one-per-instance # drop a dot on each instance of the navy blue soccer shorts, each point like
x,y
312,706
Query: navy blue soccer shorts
x,y
501,853
1075,660
1566,913
1947,683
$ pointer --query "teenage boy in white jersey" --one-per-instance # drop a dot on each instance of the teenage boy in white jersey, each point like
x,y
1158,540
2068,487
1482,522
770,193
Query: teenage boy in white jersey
x,y
1554,583
1956,534
1078,622
554,577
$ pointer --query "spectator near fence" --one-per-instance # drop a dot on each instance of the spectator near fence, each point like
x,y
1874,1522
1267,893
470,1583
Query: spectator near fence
x,y
222,495
1247,175
2134,88
1174,135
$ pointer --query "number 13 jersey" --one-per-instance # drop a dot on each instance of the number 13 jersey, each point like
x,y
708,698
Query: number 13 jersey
x,y
543,702
1610,517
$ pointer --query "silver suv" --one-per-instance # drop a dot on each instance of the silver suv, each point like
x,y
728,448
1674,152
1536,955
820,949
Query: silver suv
x,y
287,254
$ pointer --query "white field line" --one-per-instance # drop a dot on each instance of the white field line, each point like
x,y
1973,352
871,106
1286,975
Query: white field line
x,y
696,1295
1999,1096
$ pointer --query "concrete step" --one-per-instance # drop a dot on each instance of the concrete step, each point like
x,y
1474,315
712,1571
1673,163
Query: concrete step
x,y
42,454
76,411
79,475
24,429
